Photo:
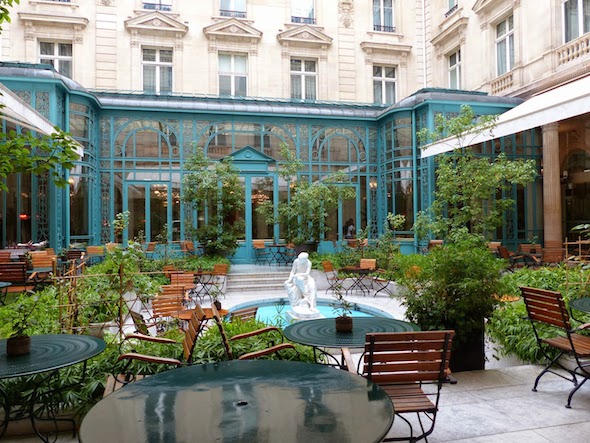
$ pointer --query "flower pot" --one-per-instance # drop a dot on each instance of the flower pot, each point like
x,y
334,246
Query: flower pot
x,y
16,346
343,324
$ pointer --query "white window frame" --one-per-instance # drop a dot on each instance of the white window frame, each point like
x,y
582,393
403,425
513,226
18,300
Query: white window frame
x,y
159,65
380,7
233,73
507,38
581,27
303,11
454,69
233,8
301,75
384,82
56,59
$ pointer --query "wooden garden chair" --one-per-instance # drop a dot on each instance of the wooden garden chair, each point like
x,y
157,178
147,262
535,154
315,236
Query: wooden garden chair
x,y
271,349
547,310
411,367
126,375
244,314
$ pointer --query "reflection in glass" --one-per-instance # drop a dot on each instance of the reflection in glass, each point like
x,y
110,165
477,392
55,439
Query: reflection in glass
x,y
262,190
79,198
136,207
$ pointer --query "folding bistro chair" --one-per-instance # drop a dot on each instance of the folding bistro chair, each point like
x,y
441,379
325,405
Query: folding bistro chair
x,y
548,308
411,367
334,281
261,252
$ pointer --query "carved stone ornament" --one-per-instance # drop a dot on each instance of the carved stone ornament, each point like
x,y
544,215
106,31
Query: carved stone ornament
x,y
345,9
106,2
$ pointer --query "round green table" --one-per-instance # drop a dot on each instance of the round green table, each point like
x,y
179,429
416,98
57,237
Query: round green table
x,y
581,304
321,333
243,401
49,353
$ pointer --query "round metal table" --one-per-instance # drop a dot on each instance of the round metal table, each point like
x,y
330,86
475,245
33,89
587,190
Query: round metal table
x,y
4,285
581,304
243,401
50,352
322,332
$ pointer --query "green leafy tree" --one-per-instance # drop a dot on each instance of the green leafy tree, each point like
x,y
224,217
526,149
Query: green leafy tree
x,y
471,191
214,188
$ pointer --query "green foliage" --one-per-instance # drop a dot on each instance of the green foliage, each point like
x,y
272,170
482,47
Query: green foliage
x,y
37,154
340,306
455,288
471,191
214,188
511,330
303,217
30,313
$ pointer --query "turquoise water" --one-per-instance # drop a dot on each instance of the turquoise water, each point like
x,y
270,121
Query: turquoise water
x,y
274,311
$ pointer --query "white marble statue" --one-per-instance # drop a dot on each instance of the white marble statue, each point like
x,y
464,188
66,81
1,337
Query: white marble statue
x,y
301,287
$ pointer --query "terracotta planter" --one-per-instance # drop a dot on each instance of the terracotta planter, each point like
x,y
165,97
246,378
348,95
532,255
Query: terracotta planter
x,y
343,324
16,346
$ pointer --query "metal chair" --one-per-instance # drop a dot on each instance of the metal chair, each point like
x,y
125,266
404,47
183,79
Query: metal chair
x,y
411,367
546,310
334,281
261,252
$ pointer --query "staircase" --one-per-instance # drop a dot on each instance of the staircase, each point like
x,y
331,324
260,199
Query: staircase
x,y
262,283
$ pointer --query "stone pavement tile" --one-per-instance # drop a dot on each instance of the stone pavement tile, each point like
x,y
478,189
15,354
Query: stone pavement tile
x,y
572,433
509,437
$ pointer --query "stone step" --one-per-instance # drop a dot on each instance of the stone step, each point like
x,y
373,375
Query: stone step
x,y
257,282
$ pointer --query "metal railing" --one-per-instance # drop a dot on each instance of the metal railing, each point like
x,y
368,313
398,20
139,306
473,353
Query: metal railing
x,y
228,13
450,11
157,7
304,20
383,28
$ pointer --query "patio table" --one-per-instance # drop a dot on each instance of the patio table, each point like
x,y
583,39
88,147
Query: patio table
x,y
49,353
321,333
359,274
239,401
4,285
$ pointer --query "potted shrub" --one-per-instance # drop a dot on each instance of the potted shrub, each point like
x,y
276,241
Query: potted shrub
x,y
343,310
302,217
22,318
455,289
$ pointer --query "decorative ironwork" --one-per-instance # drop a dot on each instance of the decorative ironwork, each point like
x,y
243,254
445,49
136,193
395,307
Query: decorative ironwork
x,y
450,11
105,207
235,14
303,20
383,28
42,215
157,7
42,103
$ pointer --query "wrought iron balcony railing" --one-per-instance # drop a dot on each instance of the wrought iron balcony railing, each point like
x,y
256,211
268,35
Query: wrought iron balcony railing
x,y
228,13
157,7
305,20
383,28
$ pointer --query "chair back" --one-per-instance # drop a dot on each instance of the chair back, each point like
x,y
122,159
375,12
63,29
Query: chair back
x,y
328,266
258,244
4,256
194,329
166,306
434,243
220,269
244,314
407,357
93,251
224,338
503,251
151,246
139,323
530,248
186,279
41,260
547,307
172,290
368,263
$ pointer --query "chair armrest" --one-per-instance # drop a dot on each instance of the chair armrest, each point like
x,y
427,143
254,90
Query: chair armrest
x,y
257,332
149,359
150,338
582,327
347,362
267,351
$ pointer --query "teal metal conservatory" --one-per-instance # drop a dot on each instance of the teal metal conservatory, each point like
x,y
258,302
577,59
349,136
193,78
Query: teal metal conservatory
x,y
136,145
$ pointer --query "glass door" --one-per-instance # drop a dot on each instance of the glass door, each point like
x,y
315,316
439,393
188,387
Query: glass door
x,y
154,211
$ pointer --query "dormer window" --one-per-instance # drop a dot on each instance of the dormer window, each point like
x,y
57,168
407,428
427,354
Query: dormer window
x,y
158,5
232,8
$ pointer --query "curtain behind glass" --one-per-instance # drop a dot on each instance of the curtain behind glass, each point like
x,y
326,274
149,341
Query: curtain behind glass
x,y
570,10
296,84
310,92
149,78
165,78
501,56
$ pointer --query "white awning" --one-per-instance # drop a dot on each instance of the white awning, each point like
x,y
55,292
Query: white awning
x,y
15,110
561,103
